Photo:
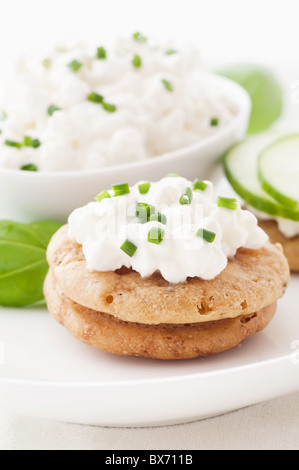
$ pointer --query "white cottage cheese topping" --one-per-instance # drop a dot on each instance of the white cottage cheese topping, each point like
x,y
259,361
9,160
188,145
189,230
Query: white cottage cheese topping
x,y
194,237
154,100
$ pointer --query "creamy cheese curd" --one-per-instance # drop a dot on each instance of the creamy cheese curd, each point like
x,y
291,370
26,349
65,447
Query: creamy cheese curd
x,y
180,249
155,100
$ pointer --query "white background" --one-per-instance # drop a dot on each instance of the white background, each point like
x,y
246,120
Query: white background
x,y
260,31
227,31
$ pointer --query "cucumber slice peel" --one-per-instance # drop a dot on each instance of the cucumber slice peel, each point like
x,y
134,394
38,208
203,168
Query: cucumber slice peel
x,y
278,171
241,169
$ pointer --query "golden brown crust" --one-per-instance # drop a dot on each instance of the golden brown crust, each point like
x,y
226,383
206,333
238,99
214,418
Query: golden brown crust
x,y
290,245
252,280
107,333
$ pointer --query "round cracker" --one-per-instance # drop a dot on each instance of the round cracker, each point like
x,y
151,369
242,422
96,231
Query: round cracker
x,y
290,245
107,333
251,281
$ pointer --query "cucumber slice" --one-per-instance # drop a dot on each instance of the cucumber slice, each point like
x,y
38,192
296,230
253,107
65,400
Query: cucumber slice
x,y
241,168
278,171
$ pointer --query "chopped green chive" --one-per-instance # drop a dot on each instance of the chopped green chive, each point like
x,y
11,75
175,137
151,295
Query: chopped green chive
x,y
75,66
29,167
103,195
186,197
206,235
95,98
52,109
27,142
46,63
12,143
101,53
129,248
137,62
144,212
214,122
110,108
171,52
144,188
200,185
156,235
99,99
121,189
30,142
167,84
139,37
35,143
227,203
173,175
158,218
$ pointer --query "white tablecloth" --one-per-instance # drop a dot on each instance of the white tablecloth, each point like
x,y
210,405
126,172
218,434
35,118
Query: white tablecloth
x,y
269,425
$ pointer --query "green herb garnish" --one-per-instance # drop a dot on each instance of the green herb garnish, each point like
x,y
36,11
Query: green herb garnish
x,y
214,122
103,195
29,167
95,98
129,248
75,66
156,235
139,37
227,203
167,84
101,53
137,62
23,264
186,197
206,235
99,99
13,143
110,108
171,52
144,212
144,188
158,218
35,143
27,142
121,189
52,109
199,185
30,142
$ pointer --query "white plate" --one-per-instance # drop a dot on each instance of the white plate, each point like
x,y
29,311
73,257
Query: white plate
x,y
48,374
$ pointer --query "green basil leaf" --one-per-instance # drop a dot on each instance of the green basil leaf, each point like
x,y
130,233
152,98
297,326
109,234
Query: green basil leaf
x,y
23,264
265,92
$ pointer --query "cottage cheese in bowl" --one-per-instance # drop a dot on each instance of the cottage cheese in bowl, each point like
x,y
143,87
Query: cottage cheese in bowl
x,y
81,108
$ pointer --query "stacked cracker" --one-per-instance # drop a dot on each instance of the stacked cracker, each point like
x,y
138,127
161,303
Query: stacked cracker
x,y
122,313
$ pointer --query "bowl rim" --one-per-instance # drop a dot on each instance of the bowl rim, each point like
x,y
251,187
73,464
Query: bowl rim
x,y
243,101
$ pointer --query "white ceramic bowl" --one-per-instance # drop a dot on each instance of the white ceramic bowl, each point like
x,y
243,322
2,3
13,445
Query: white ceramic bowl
x,y
29,196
